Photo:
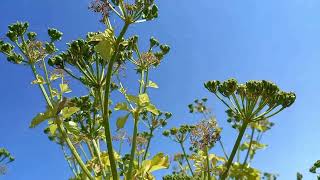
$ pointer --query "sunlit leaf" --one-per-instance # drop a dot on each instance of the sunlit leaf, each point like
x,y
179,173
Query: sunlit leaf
x,y
64,88
39,80
121,121
152,84
69,111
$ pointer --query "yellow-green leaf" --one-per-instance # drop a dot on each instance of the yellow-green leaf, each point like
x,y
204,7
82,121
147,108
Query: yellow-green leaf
x,y
143,99
151,108
39,80
41,117
64,88
105,43
69,111
152,84
121,106
121,121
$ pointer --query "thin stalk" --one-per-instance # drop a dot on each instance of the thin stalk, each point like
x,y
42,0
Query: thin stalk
x,y
208,163
249,148
75,153
95,146
148,144
186,157
47,78
223,149
69,163
83,152
234,150
106,104
133,148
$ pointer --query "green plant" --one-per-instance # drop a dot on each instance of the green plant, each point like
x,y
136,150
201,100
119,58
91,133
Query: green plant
x,y
82,125
250,106
5,159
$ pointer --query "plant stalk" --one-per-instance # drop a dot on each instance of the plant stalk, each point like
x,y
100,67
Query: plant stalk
x,y
234,150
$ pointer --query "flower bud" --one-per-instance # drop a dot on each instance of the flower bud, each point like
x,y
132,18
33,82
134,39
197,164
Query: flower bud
x,y
12,36
19,28
173,131
165,49
15,58
32,36
166,133
6,48
154,42
212,86
54,34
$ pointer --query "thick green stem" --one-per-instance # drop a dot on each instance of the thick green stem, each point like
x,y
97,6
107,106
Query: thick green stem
x,y
186,157
234,150
106,116
133,147
208,163
249,148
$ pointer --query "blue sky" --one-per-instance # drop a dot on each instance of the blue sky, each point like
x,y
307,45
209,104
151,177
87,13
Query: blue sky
x,y
273,40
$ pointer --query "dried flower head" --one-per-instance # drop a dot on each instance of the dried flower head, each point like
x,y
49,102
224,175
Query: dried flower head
x,y
205,134
148,60
101,6
36,51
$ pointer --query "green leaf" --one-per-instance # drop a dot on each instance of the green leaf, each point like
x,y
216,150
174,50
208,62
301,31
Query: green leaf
x,y
39,80
105,43
152,85
121,106
152,108
159,161
41,117
64,88
143,99
52,129
69,111
121,121
54,77
72,127
133,99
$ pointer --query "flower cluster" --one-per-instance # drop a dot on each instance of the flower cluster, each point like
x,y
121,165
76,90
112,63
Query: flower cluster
x,y
204,135
247,101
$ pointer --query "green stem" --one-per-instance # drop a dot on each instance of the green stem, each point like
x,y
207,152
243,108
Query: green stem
x,y
69,163
223,149
75,153
43,90
234,150
148,145
133,148
249,148
47,78
208,163
186,157
106,104
95,146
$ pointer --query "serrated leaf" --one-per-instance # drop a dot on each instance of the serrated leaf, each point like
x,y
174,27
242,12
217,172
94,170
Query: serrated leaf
x,y
152,108
39,80
64,88
152,85
121,121
121,106
41,117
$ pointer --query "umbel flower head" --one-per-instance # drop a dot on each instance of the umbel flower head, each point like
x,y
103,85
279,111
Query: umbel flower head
x,y
204,134
252,101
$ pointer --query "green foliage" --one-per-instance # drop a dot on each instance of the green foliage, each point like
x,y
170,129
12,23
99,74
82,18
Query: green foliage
x,y
81,125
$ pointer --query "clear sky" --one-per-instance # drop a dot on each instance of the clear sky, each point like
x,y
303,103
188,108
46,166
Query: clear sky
x,y
249,39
